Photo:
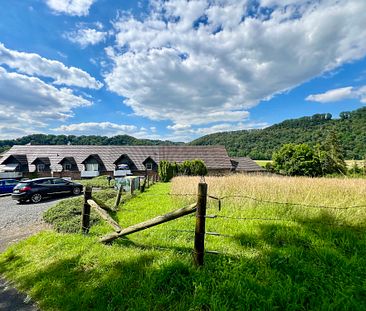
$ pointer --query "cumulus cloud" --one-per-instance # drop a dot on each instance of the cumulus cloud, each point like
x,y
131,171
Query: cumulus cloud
x,y
86,36
204,61
190,132
28,103
102,128
340,94
35,65
71,7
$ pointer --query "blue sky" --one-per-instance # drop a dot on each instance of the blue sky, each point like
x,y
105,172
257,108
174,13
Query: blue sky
x,y
176,69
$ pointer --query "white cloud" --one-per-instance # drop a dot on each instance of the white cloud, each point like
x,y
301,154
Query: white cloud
x,y
191,132
86,36
28,104
71,7
198,62
106,129
96,126
340,94
34,64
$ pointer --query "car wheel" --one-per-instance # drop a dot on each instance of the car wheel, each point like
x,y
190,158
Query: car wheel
x,y
76,191
36,198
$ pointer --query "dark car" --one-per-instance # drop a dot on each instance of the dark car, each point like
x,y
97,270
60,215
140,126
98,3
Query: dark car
x,y
35,190
7,185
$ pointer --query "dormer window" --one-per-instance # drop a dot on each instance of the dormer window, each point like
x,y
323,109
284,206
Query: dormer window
x,y
41,167
91,167
67,167
149,166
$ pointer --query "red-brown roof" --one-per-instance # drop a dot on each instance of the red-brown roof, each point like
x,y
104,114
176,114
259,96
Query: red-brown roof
x,y
215,157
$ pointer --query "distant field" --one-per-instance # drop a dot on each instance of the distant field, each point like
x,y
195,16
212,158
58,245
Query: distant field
x,y
350,163
263,162
281,243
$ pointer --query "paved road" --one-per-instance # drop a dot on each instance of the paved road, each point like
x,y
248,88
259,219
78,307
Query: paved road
x,y
18,221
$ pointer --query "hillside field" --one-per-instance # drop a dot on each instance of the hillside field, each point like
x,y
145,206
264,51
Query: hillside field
x,y
280,243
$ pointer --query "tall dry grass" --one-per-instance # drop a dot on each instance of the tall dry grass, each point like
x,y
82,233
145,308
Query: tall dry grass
x,y
328,192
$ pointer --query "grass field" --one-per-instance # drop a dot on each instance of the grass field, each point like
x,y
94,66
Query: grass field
x,y
285,257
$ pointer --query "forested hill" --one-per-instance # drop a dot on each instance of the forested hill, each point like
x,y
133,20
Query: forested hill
x,y
41,139
260,144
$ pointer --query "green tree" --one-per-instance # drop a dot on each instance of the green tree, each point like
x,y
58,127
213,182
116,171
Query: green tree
x,y
296,160
331,154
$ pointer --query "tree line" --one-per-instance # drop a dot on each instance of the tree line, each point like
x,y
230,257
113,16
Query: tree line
x,y
44,139
260,144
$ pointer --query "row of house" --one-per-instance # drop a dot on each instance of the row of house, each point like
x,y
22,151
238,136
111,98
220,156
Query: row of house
x,y
77,161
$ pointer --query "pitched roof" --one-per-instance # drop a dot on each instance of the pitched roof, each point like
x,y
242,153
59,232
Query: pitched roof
x,y
21,158
215,157
44,160
71,160
244,164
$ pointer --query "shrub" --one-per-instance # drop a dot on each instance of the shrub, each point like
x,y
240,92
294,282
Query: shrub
x,y
166,170
297,160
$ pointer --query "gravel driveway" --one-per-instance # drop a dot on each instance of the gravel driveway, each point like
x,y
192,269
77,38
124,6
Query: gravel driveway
x,y
18,221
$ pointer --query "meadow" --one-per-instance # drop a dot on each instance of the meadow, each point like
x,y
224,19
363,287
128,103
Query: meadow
x,y
280,243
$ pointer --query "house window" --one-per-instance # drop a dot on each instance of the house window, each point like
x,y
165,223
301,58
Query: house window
x,y
67,167
149,166
41,167
92,167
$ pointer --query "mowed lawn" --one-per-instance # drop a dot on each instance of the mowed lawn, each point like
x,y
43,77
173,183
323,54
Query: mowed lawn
x,y
268,256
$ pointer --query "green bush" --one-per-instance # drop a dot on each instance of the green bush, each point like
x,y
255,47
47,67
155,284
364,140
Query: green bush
x,y
297,160
65,216
167,170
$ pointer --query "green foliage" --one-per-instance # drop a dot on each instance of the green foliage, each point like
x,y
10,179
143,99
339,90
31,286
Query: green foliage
x,y
43,139
166,170
65,216
296,160
303,160
260,144
97,182
198,168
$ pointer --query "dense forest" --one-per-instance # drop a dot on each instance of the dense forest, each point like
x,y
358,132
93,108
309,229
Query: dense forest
x,y
260,144
42,139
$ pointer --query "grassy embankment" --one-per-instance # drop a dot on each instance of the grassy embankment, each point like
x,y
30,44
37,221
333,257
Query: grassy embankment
x,y
315,260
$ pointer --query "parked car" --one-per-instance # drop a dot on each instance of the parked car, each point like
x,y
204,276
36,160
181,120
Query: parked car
x,y
7,185
35,190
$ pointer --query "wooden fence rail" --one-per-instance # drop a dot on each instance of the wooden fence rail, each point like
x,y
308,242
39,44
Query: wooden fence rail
x,y
199,207
104,215
151,223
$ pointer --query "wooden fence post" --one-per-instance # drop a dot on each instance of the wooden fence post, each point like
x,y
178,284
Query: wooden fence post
x,y
85,215
148,181
132,186
199,238
118,198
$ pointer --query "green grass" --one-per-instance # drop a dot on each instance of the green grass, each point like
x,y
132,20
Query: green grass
x,y
265,265
98,182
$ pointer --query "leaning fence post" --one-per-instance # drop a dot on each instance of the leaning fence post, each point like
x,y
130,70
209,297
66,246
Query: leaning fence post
x,y
119,196
199,238
85,215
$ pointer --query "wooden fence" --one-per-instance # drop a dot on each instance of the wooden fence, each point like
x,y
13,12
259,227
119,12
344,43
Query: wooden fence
x,y
199,208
